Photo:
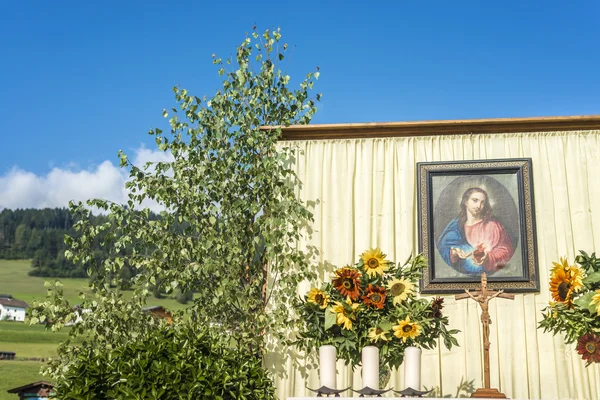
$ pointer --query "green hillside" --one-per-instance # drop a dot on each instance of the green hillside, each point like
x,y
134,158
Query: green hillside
x,y
14,280
30,341
35,341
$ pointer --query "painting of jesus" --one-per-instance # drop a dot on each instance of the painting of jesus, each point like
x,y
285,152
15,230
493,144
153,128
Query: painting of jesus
x,y
474,219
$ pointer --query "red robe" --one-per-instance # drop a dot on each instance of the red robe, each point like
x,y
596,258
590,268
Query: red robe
x,y
495,242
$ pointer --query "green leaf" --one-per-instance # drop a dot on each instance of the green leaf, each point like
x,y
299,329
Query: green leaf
x,y
585,302
592,278
330,319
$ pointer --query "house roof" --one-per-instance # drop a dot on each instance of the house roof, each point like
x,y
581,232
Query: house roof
x,y
431,128
10,302
154,308
30,386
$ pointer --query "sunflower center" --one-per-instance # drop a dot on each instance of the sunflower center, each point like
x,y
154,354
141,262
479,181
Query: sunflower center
x,y
590,347
348,284
397,289
406,328
373,263
378,331
563,290
319,298
376,297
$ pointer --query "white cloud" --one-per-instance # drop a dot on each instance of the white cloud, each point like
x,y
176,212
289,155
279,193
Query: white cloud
x,y
23,189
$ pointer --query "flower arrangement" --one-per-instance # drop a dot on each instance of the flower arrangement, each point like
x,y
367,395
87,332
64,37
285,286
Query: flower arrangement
x,y
373,303
575,309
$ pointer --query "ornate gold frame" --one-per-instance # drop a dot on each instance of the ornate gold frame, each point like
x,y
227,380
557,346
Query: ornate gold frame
x,y
529,281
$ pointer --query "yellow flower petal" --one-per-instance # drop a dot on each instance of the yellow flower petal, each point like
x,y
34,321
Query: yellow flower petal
x,y
374,262
406,329
400,289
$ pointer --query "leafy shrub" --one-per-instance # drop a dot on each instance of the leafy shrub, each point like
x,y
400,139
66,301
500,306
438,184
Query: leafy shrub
x,y
172,363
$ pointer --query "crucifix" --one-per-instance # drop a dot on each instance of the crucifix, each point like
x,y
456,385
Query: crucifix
x,y
483,296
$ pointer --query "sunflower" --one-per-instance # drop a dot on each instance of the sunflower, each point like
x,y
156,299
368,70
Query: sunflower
x,y
596,299
564,280
376,334
588,346
347,282
345,314
436,307
374,262
406,329
400,289
375,296
318,297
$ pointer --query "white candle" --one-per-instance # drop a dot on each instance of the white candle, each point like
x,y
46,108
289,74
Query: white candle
x,y
327,372
370,367
412,367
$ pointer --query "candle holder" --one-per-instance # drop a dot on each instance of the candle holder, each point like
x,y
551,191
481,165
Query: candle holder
x,y
410,392
324,391
367,391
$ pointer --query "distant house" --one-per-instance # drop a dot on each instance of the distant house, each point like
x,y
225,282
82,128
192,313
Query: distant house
x,y
34,391
159,312
79,311
12,309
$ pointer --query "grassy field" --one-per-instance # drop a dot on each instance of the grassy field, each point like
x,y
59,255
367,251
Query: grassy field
x,y
29,341
15,281
33,341
17,373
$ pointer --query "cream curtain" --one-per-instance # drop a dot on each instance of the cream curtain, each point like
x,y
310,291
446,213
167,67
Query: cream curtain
x,y
367,196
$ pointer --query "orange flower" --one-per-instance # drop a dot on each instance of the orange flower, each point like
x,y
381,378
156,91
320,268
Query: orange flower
x,y
347,282
375,296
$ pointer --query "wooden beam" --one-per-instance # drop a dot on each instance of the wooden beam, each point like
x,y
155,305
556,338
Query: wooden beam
x,y
431,128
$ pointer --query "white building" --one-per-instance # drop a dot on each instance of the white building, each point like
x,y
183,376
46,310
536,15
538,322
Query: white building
x,y
12,309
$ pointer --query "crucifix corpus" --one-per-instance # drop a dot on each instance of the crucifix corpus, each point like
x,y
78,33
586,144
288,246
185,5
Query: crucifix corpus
x,y
483,296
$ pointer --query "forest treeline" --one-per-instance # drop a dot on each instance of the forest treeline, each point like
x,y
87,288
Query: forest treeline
x,y
38,234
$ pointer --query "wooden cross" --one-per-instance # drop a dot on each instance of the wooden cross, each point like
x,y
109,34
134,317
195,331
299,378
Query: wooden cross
x,y
483,296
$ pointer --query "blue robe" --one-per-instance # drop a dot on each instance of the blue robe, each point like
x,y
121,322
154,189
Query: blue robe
x,y
452,238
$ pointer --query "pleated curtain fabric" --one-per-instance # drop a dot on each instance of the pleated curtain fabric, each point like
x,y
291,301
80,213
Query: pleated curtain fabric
x,y
366,195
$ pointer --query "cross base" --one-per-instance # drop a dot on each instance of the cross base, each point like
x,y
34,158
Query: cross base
x,y
488,393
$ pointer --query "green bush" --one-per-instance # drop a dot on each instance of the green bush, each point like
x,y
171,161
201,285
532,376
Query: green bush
x,y
172,363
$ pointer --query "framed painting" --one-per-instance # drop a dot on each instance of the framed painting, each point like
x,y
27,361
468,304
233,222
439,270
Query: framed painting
x,y
475,217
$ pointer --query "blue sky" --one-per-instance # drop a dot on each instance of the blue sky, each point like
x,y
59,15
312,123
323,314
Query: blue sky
x,y
81,80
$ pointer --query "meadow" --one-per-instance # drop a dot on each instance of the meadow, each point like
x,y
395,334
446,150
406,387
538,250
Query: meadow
x,y
27,341
15,281
18,373
34,341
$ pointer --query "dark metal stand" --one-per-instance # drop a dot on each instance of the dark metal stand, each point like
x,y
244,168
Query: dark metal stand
x,y
324,391
367,391
410,392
